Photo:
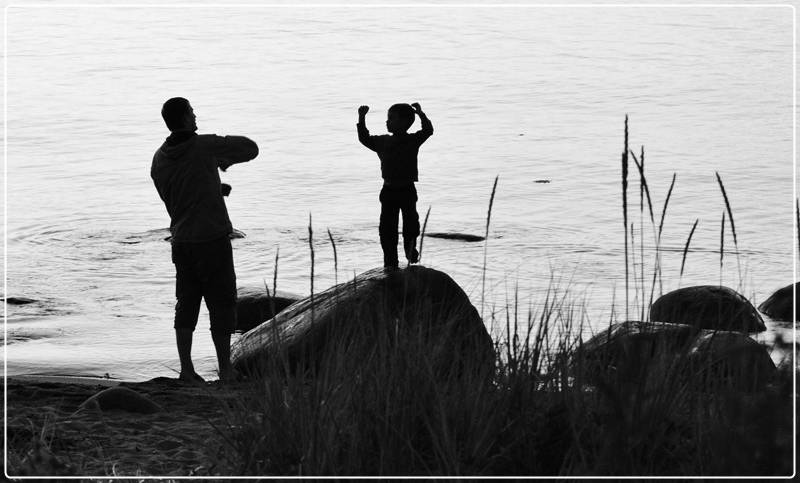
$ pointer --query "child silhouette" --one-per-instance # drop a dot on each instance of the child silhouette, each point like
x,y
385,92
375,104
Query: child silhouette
x,y
398,154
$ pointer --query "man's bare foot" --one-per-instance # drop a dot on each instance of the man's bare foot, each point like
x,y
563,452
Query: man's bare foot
x,y
194,377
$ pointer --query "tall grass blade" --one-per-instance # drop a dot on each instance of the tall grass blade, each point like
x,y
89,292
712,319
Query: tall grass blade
x,y
625,210
641,188
657,268
733,227
664,211
311,248
728,208
686,248
422,234
335,259
486,242
274,282
721,246
644,188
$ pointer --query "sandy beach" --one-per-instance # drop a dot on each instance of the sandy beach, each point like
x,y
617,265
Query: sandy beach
x,y
51,432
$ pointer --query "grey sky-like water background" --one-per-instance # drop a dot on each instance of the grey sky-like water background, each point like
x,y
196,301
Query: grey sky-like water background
x,y
524,93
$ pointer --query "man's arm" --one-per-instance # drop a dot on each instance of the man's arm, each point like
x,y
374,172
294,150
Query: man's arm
x,y
231,150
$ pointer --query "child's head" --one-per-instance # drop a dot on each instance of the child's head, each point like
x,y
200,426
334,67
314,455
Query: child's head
x,y
400,118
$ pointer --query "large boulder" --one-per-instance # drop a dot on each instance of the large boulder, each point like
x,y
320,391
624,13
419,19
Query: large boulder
x,y
416,310
656,353
630,349
780,305
255,306
731,358
711,307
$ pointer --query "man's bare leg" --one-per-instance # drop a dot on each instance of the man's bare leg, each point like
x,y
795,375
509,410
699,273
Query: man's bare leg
x,y
222,345
183,339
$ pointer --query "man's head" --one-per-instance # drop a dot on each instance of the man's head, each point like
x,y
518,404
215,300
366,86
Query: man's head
x,y
399,118
178,114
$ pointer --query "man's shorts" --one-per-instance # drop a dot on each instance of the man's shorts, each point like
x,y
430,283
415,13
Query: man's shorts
x,y
205,271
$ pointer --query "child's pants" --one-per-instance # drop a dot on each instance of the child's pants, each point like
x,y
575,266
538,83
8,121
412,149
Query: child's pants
x,y
393,200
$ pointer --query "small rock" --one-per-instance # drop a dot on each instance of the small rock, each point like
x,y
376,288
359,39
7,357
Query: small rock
x,y
780,305
19,300
254,306
456,236
731,358
122,398
708,307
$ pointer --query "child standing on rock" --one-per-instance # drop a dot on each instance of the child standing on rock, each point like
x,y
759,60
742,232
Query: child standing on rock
x,y
398,154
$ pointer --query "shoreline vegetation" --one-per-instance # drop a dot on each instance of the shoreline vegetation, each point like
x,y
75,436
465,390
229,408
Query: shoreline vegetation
x,y
541,412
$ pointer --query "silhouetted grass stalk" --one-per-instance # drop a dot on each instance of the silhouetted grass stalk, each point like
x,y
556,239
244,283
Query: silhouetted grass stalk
x,y
311,250
797,217
625,210
686,248
335,259
643,190
721,246
422,233
733,227
274,282
486,242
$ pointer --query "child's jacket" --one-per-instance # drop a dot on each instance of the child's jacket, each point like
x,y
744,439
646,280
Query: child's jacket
x,y
397,152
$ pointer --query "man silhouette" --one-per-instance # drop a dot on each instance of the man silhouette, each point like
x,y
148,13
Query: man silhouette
x,y
185,174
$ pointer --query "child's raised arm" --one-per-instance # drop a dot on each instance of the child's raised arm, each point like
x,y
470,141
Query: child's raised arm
x,y
363,132
427,126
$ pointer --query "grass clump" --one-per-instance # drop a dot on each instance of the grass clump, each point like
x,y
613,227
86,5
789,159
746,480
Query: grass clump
x,y
540,413
544,411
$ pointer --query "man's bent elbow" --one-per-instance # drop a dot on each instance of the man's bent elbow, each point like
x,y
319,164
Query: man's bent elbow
x,y
251,148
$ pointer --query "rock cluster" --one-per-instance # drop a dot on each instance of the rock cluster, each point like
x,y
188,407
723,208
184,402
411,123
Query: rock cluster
x,y
696,335
637,351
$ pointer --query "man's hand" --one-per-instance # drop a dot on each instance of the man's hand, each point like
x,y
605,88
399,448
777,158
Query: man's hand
x,y
225,189
363,110
417,107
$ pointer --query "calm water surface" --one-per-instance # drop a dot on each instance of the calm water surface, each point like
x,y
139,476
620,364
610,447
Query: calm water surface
x,y
526,94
